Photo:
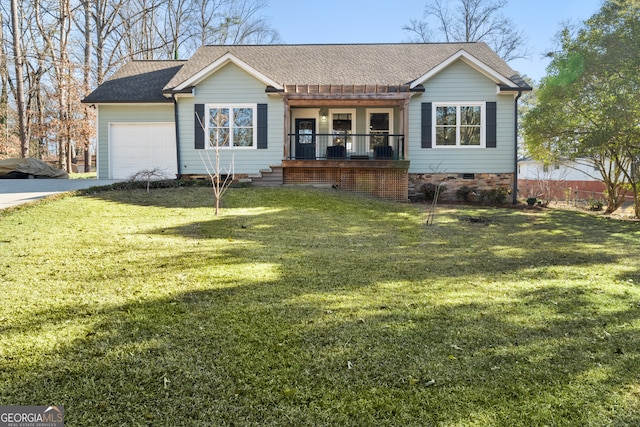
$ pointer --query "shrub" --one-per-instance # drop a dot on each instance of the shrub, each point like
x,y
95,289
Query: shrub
x,y
466,193
595,204
495,196
429,190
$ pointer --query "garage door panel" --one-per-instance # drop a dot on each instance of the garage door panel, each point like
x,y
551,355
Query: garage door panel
x,y
142,146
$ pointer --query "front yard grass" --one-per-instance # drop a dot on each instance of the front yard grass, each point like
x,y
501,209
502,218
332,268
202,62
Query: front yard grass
x,y
310,307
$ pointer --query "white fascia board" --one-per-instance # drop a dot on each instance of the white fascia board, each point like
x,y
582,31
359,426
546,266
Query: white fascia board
x,y
170,95
221,62
470,60
186,95
513,93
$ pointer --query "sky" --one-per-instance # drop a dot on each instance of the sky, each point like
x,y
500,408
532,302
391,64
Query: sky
x,y
381,21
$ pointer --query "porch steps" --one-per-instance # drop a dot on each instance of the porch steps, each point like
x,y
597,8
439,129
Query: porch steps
x,y
413,194
271,177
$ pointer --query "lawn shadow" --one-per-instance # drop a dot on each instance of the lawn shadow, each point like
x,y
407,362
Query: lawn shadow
x,y
262,355
510,368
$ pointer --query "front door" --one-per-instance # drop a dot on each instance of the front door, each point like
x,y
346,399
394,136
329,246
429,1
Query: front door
x,y
305,138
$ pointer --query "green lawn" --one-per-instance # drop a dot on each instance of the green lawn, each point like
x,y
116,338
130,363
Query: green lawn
x,y
83,175
301,307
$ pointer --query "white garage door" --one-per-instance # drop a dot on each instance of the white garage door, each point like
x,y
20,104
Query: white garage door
x,y
135,147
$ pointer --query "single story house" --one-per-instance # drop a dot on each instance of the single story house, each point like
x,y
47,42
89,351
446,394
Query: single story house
x,y
377,118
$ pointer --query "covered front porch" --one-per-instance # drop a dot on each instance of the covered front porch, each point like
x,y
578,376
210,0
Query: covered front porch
x,y
327,122
351,137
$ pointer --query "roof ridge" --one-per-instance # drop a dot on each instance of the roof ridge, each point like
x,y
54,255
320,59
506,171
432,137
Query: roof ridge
x,y
158,60
340,44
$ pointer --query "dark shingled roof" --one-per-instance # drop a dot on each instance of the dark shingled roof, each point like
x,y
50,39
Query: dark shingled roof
x,y
332,64
136,81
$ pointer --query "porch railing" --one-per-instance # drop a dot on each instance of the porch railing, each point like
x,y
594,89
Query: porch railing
x,y
348,146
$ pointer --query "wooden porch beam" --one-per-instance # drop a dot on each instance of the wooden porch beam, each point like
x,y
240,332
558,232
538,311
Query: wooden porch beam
x,y
287,127
405,127
348,95
343,102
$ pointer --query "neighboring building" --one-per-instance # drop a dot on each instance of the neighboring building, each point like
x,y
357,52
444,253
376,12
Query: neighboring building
x,y
570,180
364,117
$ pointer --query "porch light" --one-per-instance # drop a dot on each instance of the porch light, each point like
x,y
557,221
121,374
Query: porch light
x,y
323,115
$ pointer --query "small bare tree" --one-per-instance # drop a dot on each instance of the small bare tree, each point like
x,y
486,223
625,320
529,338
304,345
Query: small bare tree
x,y
437,188
221,179
148,175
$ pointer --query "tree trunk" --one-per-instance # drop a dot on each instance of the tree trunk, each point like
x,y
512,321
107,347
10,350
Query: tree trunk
x,y
4,92
19,66
86,76
636,200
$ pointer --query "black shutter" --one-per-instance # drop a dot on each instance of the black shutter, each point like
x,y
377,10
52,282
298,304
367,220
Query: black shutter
x,y
491,138
426,125
199,126
262,126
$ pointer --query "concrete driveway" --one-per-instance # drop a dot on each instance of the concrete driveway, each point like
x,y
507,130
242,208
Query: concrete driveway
x,y
14,192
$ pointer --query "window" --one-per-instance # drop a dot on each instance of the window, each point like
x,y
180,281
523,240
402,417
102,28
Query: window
x,y
232,126
459,125
342,127
380,122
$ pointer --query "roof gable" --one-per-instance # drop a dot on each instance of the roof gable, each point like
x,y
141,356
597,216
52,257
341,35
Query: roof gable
x,y
218,64
470,60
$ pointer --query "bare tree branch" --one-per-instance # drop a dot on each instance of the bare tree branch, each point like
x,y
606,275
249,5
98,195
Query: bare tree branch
x,y
470,21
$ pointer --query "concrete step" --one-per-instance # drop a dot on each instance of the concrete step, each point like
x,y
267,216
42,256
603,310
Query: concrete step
x,y
268,177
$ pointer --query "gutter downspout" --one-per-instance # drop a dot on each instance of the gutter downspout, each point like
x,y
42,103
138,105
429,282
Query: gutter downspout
x,y
175,118
515,148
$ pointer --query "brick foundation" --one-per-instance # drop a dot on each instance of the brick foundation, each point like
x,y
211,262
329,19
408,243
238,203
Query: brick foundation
x,y
452,182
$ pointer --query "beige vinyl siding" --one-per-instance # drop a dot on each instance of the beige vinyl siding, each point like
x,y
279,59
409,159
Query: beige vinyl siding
x,y
231,85
461,83
125,113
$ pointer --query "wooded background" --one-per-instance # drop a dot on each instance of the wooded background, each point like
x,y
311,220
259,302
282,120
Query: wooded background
x,y
54,52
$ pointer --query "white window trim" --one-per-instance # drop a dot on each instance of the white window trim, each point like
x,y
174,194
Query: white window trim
x,y
352,111
483,124
207,133
368,113
354,124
